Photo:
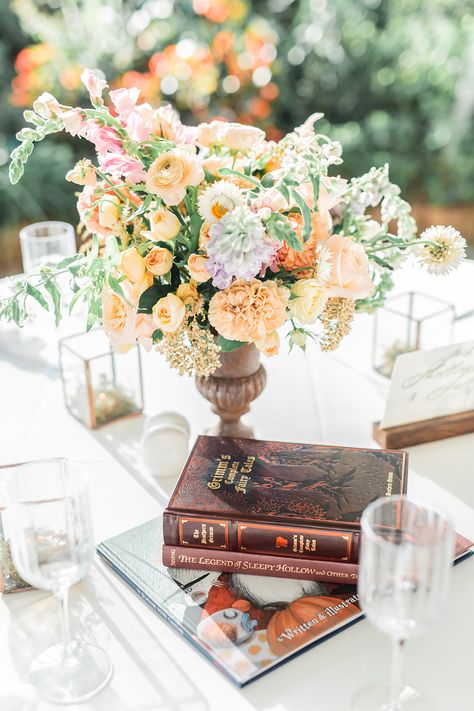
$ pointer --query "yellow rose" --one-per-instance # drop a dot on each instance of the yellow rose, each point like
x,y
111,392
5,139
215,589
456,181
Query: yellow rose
x,y
308,299
159,261
170,174
197,268
132,265
187,293
164,225
168,313
118,319
109,211
270,344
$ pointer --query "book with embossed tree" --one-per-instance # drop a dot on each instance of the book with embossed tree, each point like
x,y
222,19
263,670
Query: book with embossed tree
x,y
297,501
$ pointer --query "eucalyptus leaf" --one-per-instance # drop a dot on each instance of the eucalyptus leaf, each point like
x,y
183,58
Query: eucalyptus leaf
x,y
53,291
228,346
37,295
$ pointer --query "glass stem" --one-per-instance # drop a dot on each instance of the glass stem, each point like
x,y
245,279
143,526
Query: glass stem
x,y
396,672
62,597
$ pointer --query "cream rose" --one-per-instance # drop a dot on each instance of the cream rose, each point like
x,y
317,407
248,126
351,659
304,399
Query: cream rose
x,y
187,293
109,211
197,268
307,301
164,225
239,137
132,265
168,313
349,269
171,173
209,133
159,261
270,345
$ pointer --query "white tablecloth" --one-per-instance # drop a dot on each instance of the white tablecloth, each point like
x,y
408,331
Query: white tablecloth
x,y
321,398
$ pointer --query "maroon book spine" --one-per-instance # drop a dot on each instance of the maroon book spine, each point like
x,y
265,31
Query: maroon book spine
x,y
254,564
289,540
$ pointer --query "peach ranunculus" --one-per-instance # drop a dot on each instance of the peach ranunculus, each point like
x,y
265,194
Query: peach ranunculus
x,y
197,268
109,211
350,269
168,313
164,225
240,137
270,344
159,261
291,259
187,292
89,211
171,173
308,299
83,173
132,265
248,310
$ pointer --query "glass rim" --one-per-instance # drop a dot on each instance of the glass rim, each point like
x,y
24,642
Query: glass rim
x,y
80,484
368,531
66,228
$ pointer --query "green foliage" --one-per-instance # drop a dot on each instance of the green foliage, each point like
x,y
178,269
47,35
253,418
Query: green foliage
x,y
279,227
227,346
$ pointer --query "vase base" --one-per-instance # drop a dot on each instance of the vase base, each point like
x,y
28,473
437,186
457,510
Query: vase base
x,y
230,429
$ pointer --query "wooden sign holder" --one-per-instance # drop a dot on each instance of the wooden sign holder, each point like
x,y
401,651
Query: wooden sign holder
x,y
425,431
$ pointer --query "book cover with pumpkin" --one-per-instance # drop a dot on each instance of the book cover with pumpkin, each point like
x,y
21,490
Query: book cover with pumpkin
x,y
244,624
280,498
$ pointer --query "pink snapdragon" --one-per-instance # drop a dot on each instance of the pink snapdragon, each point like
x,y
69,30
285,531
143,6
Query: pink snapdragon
x,y
119,164
94,84
74,121
104,138
124,101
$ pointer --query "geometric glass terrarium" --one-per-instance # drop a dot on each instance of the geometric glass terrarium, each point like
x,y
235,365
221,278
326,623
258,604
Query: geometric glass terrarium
x,y
99,385
410,322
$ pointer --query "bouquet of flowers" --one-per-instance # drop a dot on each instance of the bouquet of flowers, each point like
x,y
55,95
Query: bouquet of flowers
x,y
207,238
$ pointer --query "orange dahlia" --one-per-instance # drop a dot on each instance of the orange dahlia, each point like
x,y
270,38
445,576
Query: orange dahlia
x,y
291,259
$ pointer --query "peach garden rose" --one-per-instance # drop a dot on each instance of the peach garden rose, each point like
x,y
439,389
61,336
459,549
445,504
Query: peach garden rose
x,y
159,261
349,269
168,313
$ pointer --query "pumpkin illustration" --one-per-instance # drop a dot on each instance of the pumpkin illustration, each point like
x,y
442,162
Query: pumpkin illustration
x,y
303,620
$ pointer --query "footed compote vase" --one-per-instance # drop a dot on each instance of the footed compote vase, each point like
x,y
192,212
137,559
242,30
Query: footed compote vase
x,y
232,387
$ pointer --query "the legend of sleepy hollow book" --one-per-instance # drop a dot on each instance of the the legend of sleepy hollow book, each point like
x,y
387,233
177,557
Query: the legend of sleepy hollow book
x,y
279,498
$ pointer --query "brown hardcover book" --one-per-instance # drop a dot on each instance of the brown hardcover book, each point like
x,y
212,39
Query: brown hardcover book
x,y
279,498
273,565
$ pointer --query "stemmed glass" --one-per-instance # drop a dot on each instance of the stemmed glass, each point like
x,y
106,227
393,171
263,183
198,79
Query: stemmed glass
x,y
52,549
406,556
44,244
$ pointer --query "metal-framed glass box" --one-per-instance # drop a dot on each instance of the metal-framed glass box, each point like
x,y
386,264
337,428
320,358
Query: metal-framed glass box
x,y
100,385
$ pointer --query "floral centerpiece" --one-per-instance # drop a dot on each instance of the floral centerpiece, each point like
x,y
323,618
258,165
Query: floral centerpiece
x,y
207,238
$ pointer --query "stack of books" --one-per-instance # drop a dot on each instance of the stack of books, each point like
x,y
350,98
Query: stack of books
x,y
276,508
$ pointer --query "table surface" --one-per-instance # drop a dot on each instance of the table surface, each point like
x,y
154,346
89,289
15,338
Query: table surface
x,y
324,398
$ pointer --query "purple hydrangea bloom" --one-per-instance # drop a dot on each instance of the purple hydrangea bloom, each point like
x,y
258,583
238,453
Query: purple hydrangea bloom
x,y
238,247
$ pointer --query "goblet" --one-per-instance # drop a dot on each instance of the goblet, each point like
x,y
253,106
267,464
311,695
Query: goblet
x,y
52,549
406,557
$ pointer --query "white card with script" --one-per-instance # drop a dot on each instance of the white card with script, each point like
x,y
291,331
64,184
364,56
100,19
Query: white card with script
x,y
429,384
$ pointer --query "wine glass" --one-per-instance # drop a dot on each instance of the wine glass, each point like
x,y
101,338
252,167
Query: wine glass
x,y
406,557
52,549
44,244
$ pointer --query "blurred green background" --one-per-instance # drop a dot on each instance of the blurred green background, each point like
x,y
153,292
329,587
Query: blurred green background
x,y
394,78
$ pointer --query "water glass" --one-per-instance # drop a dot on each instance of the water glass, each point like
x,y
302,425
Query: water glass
x,y
53,548
405,563
44,244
